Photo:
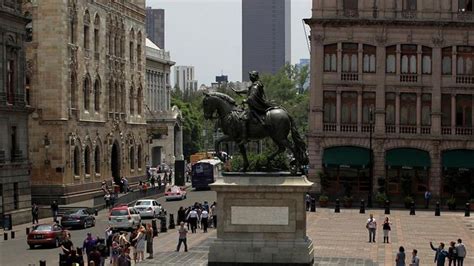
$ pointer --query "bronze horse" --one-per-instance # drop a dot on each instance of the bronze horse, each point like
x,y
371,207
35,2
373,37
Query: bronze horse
x,y
277,125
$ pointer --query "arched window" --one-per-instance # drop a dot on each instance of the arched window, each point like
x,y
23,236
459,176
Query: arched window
x,y
132,158
97,160
96,35
426,60
87,89
73,90
111,96
139,100
124,98
132,105
72,22
139,47
97,95
117,96
77,161
139,156
447,54
87,21
131,46
391,53
87,160
330,58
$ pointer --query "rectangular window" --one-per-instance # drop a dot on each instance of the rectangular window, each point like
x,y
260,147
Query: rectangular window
x,y
426,59
409,55
391,59
329,107
349,107
330,58
465,58
465,5
409,5
10,81
369,58
368,103
86,37
349,57
16,196
426,109
408,109
447,54
464,110
390,108
446,110
351,5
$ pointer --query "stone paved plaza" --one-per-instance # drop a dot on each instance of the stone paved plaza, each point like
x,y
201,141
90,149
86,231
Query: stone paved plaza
x,y
341,238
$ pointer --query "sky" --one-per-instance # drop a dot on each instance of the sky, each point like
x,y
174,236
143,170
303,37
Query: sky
x,y
207,34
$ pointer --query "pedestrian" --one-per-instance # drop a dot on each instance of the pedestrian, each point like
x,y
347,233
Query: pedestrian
x,y
149,241
122,240
102,249
182,231
95,256
158,178
113,197
372,227
415,261
400,260
54,210
386,230
124,259
214,214
204,220
74,259
308,201
452,253
427,198
461,251
105,188
67,245
181,215
192,219
440,254
152,181
88,245
107,200
140,244
114,253
35,213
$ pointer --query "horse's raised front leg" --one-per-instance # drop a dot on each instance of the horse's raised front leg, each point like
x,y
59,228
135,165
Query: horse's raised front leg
x,y
243,152
218,143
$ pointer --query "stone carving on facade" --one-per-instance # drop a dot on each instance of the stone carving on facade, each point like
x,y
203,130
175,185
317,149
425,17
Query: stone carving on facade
x,y
410,36
438,41
318,39
466,38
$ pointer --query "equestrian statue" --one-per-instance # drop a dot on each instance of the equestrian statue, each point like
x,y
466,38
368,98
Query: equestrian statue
x,y
260,120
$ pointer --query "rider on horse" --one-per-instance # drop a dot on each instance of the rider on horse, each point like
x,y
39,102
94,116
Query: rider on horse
x,y
256,101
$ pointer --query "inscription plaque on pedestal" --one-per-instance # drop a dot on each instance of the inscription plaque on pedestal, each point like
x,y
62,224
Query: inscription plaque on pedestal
x,y
241,215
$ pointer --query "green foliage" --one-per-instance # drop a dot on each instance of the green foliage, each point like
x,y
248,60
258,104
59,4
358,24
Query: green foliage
x,y
381,197
323,198
451,201
407,200
258,162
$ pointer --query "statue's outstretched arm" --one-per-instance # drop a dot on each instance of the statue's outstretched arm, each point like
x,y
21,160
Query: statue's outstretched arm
x,y
240,91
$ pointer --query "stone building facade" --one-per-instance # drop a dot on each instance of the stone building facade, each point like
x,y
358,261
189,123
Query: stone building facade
x,y
164,121
15,192
403,71
87,81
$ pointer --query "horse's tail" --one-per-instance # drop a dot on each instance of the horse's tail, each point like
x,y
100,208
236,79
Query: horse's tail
x,y
299,147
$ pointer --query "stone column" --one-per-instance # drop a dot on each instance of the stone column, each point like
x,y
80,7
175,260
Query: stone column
x,y
380,93
436,95
397,112
454,65
419,62
338,110
435,173
339,59
359,111
453,114
360,60
398,59
418,112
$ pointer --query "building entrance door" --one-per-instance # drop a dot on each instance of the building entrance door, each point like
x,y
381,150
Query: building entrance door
x,y
115,164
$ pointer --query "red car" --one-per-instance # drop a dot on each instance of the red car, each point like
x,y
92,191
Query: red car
x,y
45,234
175,193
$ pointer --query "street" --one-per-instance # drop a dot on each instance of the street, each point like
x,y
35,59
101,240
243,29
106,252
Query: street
x,y
16,251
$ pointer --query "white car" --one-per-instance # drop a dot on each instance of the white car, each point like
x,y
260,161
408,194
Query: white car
x,y
175,193
148,208
124,217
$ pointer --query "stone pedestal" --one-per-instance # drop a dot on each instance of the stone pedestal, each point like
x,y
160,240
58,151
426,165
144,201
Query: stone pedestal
x,y
261,219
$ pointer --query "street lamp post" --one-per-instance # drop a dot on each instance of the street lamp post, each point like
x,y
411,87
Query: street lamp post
x,y
371,161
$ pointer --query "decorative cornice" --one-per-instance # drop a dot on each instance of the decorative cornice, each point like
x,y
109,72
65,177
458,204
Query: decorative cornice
x,y
343,21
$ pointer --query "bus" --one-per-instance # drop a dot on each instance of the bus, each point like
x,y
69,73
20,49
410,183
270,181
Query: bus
x,y
205,172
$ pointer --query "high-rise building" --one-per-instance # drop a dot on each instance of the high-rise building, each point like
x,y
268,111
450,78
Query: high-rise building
x,y
266,45
184,79
15,192
155,26
87,81
392,97
304,62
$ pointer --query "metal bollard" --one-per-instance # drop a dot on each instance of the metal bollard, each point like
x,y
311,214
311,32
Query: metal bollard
x,y
155,227
467,212
42,263
172,225
12,234
338,207
5,236
412,208
437,209
27,230
313,204
387,207
96,212
362,206
163,228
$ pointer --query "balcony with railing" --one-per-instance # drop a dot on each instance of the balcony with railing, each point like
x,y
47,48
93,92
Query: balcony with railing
x,y
408,129
349,128
390,129
329,127
425,130
446,131
349,76
464,131
465,79
367,128
409,78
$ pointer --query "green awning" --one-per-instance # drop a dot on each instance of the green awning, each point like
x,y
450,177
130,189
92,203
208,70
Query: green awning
x,y
406,157
458,159
346,156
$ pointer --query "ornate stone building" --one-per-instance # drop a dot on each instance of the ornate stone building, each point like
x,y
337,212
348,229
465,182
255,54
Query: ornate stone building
x,y
15,196
403,71
87,78
164,121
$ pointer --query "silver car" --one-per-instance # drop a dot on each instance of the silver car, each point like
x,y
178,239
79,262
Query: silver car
x,y
148,208
124,217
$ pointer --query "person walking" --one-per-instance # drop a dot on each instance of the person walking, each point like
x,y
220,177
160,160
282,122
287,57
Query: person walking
x,y
461,251
440,254
149,241
214,214
67,245
181,215
372,227
35,213
204,220
308,201
427,198
107,200
55,210
386,230
452,253
140,244
192,219
88,245
415,261
182,236
400,260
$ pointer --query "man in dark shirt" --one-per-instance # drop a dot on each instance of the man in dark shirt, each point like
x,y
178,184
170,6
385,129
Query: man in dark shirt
x,y
88,245
94,256
67,245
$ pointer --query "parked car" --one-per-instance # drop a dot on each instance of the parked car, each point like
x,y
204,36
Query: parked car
x,y
45,234
124,217
175,193
148,208
82,218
